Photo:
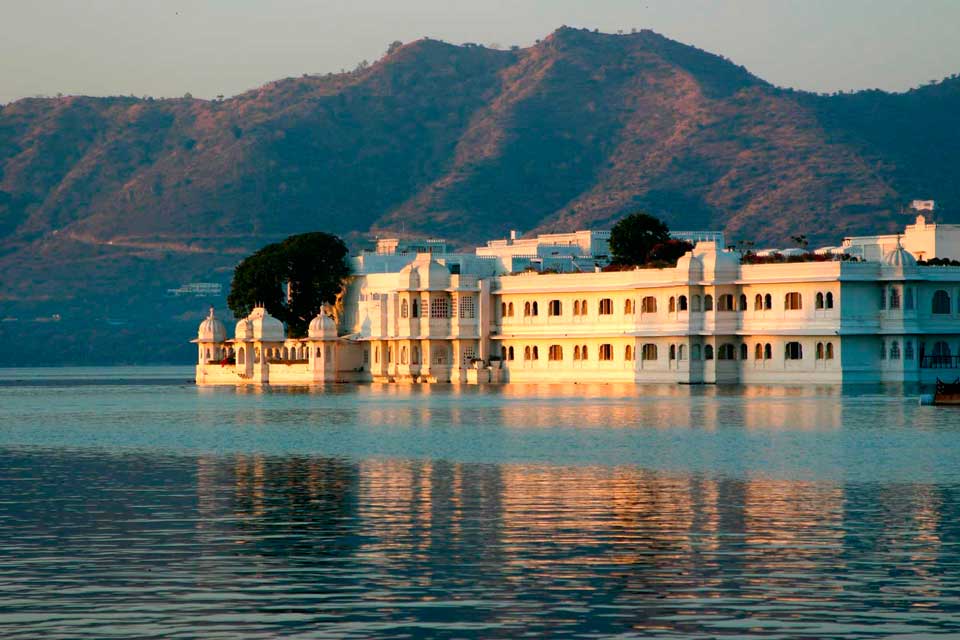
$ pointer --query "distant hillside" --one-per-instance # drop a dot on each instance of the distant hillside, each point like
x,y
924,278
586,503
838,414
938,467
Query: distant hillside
x,y
109,201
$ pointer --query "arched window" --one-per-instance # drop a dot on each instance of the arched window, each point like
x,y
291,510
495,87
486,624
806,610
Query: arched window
x,y
241,356
576,307
818,304
695,303
535,309
416,308
708,302
908,298
672,305
758,302
829,351
743,351
389,355
415,355
510,309
403,355
941,353
649,351
682,352
527,353
536,352
819,354
767,351
404,309
510,353
894,298
793,351
627,307
606,307
682,303
555,352
908,350
673,352
695,352
583,350
708,352
503,309
743,302
767,302
830,300
648,305
286,354
256,354
526,309
941,301
554,308
319,353
376,355
758,352
725,302
576,352
894,350
606,352
628,353
793,301
727,352
583,307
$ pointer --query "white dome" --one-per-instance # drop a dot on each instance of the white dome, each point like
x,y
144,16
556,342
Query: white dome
x,y
899,257
211,329
427,273
243,330
265,327
690,267
322,326
717,263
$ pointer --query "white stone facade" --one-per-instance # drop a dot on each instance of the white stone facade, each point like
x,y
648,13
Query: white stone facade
x,y
710,319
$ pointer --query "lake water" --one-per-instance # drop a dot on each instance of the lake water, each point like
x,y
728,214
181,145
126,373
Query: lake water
x,y
133,504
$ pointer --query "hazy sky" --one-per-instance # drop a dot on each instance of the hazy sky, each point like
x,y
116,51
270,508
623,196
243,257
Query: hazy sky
x,y
210,47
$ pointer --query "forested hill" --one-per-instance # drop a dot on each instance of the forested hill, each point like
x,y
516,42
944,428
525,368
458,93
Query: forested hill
x,y
114,200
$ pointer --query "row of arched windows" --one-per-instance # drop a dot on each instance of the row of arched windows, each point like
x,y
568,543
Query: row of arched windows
x,y
406,357
439,354
648,304
580,352
892,350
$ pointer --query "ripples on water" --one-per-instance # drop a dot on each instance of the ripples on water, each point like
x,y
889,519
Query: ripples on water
x,y
164,511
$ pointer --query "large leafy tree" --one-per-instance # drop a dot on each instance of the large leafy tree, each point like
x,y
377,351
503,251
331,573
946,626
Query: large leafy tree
x,y
313,265
633,238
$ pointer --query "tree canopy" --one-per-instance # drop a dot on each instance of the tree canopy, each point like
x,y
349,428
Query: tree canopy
x,y
633,238
314,265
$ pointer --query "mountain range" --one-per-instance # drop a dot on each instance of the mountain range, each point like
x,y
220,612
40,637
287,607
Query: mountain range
x,y
105,203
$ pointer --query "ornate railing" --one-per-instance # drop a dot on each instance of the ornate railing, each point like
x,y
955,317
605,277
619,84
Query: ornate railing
x,y
940,362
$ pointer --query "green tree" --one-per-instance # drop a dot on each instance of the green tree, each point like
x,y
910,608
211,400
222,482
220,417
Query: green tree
x,y
668,252
393,47
313,266
632,238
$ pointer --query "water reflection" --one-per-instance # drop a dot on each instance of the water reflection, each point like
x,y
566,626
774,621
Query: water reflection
x,y
260,546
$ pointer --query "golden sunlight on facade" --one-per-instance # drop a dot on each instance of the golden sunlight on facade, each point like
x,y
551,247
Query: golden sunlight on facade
x,y
461,318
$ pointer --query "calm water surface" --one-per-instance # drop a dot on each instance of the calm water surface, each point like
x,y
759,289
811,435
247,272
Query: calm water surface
x,y
133,504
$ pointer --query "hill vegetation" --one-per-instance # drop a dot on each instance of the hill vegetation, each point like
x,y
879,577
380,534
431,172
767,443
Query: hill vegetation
x,y
107,202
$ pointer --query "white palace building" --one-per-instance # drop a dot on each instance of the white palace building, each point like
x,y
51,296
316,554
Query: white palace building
x,y
545,312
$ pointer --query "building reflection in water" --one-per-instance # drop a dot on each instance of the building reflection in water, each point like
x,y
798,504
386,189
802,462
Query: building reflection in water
x,y
652,548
